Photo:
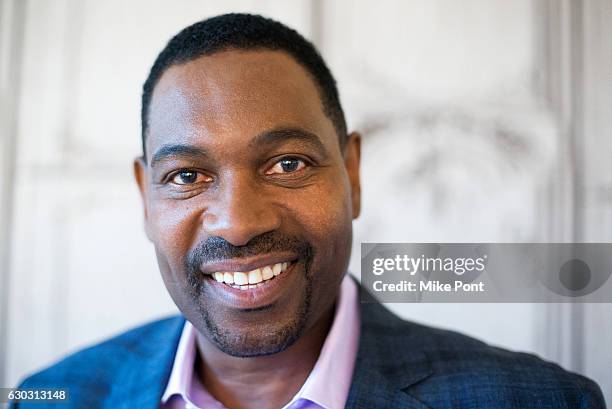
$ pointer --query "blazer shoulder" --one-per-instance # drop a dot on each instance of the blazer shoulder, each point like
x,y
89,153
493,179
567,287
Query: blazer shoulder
x,y
493,375
463,371
98,364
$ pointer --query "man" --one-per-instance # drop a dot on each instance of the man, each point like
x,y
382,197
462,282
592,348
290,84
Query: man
x,y
250,183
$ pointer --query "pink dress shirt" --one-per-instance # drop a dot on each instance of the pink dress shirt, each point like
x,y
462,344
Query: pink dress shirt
x,y
326,387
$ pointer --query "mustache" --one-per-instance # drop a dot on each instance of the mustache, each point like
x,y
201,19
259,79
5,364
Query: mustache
x,y
217,249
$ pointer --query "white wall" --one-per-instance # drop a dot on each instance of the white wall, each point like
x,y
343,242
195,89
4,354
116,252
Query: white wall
x,y
459,147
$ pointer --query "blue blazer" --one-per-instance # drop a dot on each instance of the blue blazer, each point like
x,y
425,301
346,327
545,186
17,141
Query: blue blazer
x,y
399,365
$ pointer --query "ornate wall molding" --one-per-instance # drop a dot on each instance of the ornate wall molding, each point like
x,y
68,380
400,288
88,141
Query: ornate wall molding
x,y
574,43
12,22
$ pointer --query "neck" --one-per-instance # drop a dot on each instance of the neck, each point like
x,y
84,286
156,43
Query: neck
x,y
265,381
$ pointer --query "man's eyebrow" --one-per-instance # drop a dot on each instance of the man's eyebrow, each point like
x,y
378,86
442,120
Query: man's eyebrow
x,y
166,152
274,136
279,135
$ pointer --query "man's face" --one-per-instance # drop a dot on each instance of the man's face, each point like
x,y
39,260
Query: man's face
x,y
245,172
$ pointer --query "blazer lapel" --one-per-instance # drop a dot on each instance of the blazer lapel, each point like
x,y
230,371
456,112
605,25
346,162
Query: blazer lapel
x,y
388,362
143,380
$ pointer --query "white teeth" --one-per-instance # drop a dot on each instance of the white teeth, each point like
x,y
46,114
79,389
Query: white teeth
x,y
250,279
277,268
228,278
241,278
255,276
267,273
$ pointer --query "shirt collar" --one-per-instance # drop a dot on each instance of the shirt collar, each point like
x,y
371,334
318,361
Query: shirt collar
x,y
330,379
181,377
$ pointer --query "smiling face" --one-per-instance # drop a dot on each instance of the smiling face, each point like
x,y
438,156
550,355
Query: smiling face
x,y
245,182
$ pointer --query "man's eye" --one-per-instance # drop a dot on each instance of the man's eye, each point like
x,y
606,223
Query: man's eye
x,y
188,177
289,165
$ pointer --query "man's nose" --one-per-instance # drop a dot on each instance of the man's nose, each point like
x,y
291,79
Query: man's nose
x,y
240,211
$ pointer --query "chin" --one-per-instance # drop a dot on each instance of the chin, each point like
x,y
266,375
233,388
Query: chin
x,y
244,343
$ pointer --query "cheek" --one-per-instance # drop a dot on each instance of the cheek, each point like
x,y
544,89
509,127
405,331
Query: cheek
x,y
324,214
173,226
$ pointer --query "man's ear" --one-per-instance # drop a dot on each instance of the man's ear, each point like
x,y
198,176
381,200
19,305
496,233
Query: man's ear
x,y
352,158
140,174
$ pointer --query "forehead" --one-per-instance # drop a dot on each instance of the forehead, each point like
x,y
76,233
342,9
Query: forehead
x,y
231,96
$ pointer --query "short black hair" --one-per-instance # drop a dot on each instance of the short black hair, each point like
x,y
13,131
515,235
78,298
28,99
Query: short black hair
x,y
244,32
